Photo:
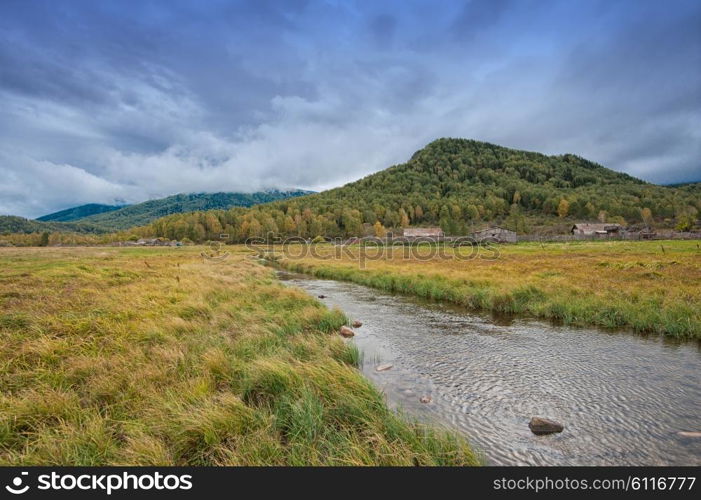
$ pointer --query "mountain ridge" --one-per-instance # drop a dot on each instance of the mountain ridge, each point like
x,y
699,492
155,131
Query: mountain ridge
x,y
140,214
79,212
458,184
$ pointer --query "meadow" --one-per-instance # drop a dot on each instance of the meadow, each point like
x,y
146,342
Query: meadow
x,y
644,286
153,356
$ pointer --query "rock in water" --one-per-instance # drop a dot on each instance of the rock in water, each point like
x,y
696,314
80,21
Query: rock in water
x,y
346,332
357,324
425,399
539,425
382,368
321,296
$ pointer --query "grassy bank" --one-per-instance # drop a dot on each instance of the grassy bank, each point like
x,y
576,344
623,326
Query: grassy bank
x,y
645,286
156,356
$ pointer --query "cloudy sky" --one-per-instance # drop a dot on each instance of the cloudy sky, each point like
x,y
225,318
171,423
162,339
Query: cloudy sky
x,y
104,101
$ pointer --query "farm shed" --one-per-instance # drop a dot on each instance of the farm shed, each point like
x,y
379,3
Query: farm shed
x,y
423,232
600,229
498,234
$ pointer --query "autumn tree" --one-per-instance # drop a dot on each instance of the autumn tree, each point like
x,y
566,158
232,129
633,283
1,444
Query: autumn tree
x,y
684,223
646,215
379,229
419,212
517,198
403,218
289,227
212,225
563,208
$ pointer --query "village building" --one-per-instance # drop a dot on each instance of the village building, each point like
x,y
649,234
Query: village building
x,y
155,242
149,241
596,229
423,232
498,234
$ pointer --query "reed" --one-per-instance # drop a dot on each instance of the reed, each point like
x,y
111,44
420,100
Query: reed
x,y
158,357
631,285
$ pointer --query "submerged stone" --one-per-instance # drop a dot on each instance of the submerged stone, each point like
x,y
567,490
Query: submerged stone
x,y
540,425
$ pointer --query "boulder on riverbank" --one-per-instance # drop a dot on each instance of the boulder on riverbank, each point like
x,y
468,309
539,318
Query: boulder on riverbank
x,y
540,425
346,332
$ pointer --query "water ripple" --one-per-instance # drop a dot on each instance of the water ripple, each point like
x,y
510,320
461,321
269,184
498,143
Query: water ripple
x,y
622,397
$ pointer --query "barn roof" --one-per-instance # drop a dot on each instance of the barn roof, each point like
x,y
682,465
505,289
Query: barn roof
x,y
422,231
494,228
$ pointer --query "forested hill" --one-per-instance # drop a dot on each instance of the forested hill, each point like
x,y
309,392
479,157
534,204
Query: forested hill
x,y
143,213
458,184
75,213
14,224
471,174
80,219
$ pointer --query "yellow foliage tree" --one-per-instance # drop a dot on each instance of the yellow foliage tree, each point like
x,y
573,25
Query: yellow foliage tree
x,y
646,215
404,218
563,208
380,230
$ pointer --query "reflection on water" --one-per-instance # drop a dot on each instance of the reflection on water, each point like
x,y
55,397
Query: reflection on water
x,y
622,397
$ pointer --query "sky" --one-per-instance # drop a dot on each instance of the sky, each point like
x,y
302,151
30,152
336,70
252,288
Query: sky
x,y
124,101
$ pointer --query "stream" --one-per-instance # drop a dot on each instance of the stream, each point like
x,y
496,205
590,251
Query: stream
x,y
623,398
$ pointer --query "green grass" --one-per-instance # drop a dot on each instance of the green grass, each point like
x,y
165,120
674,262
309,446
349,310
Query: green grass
x,y
631,285
156,357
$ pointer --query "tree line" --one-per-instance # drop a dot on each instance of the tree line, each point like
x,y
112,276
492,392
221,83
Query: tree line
x,y
459,185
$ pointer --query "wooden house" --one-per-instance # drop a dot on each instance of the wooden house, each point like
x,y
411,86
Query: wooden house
x,y
423,232
498,234
596,229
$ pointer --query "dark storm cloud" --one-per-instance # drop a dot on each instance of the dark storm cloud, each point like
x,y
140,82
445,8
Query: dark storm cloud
x,y
642,83
479,15
104,100
382,29
31,73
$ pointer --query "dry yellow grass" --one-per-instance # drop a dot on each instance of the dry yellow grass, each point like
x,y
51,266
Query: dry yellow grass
x,y
158,356
647,286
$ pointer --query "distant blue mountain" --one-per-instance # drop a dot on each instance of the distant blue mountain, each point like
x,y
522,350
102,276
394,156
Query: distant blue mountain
x,y
75,213
102,218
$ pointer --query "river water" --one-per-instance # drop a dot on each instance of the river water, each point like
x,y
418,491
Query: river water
x,y
623,398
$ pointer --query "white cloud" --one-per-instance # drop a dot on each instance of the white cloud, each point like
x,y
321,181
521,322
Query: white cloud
x,y
30,186
329,93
